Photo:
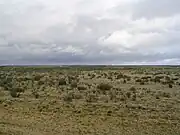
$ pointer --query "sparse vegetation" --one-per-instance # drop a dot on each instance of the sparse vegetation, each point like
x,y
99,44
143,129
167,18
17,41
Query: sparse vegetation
x,y
114,100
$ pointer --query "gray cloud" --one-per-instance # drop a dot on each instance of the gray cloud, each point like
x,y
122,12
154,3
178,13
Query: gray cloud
x,y
96,32
160,8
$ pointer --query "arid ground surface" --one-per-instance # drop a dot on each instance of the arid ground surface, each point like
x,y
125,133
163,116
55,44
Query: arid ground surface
x,y
89,101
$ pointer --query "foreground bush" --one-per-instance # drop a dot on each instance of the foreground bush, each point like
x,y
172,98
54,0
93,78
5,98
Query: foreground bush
x,y
14,93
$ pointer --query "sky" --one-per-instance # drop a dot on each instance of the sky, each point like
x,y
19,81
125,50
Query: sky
x,y
89,32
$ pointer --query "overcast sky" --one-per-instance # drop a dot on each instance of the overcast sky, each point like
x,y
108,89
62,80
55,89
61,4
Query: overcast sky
x,y
89,31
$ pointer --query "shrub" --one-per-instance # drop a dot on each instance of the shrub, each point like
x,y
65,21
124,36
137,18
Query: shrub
x,y
170,85
19,89
105,75
125,76
145,77
93,76
40,82
77,95
170,82
109,113
175,79
133,89
35,94
134,97
112,94
37,77
110,78
104,86
119,76
14,93
167,78
122,98
68,97
62,81
104,98
91,98
6,83
164,82
129,79
138,80
71,79
157,79
157,97
128,94
177,83
74,85
165,94
142,83
81,87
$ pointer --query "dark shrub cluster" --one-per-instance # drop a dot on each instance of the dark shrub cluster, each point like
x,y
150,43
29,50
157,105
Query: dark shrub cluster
x,y
81,87
62,81
14,93
104,86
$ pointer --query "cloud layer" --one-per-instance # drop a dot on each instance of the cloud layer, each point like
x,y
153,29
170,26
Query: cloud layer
x,y
89,32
